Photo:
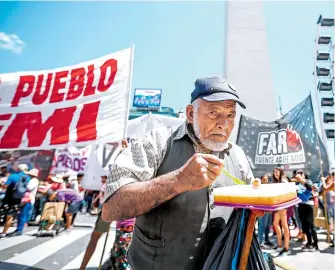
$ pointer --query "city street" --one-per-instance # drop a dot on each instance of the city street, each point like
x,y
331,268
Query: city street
x,y
321,260
64,251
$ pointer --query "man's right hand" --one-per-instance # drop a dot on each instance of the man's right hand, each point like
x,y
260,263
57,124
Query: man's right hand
x,y
200,171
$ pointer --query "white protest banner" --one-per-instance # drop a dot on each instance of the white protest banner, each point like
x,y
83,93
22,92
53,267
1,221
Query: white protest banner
x,y
103,155
70,160
75,105
136,128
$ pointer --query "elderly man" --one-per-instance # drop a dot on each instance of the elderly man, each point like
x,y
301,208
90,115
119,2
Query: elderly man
x,y
166,179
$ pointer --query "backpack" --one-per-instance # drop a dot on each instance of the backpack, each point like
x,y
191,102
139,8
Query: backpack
x,y
21,187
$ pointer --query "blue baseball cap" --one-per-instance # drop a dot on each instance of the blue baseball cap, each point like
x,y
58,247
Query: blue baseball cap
x,y
215,88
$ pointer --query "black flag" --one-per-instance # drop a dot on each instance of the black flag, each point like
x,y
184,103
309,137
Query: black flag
x,y
290,142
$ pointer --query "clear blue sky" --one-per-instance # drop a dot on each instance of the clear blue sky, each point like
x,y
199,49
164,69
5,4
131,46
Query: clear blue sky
x,y
175,42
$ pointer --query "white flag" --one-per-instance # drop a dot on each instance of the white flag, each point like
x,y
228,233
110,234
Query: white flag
x,y
75,105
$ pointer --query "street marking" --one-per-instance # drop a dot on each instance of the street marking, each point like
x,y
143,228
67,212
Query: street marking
x,y
42,251
12,241
95,260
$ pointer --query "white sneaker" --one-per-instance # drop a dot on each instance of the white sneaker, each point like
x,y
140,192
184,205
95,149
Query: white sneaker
x,y
279,249
284,252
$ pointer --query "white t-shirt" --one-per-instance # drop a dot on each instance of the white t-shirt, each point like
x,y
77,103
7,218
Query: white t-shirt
x,y
75,185
32,187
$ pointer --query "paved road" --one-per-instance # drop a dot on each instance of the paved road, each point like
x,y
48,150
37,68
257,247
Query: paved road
x,y
307,260
64,251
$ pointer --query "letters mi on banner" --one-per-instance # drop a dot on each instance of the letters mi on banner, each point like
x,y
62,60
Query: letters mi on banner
x,y
75,105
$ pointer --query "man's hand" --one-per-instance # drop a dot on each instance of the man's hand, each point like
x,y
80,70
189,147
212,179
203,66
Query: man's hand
x,y
200,171
140,197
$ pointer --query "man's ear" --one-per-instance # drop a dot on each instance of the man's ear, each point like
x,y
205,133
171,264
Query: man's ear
x,y
189,113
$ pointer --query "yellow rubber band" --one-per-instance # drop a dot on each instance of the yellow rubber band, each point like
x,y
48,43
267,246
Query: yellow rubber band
x,y
235,180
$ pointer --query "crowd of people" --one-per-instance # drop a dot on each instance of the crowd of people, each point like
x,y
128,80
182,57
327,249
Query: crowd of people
x,y
166,180
23,195
299,217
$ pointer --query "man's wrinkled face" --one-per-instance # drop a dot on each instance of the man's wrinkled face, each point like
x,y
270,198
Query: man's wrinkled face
x,y
212,122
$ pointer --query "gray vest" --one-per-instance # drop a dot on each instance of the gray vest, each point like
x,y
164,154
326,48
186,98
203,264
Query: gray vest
x,y
168,237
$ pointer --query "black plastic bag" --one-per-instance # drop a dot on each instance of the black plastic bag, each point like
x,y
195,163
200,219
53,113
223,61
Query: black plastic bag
x,y
226,252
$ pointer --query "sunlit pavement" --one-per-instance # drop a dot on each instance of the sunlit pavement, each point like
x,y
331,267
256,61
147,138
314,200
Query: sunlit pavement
x,y
307,260
63,252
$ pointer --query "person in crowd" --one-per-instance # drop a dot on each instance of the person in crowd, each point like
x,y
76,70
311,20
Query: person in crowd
x,y
123,236
88,196
300,236
121,244
99,199
102,227
55,183
289,212
3,178
39,203
81,189
306,210
75,182
3,172
280,217
328,186
95,210
80,177
331,181
27,202
72,199
102,190
66,179
165,179
264,223
12,200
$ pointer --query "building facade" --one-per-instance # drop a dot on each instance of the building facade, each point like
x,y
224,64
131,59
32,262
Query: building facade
x,y
247,62
166,111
